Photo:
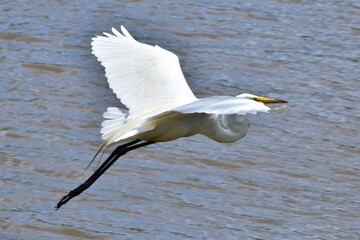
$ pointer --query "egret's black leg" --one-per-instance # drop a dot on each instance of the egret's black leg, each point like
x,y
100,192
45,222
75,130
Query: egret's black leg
x,y
118,152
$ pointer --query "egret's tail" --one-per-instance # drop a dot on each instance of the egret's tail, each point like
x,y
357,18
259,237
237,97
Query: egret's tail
x,y
114,118
116,127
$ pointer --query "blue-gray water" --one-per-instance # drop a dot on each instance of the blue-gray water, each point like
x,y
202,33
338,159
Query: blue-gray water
x,y
294,176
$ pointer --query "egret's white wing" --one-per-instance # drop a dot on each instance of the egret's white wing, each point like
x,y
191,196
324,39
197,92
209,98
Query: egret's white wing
x,y
147,79
223,105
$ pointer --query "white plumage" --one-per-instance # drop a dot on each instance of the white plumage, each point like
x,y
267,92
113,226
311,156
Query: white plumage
x,y
149,81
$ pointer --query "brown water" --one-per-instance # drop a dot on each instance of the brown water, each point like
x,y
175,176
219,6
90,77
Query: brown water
x,y
295,176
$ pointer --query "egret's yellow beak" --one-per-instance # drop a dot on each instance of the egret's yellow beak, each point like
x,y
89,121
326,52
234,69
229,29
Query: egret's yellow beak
x,y
266,100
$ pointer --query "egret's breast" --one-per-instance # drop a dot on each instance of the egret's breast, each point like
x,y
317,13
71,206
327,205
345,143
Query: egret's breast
x,y
227,128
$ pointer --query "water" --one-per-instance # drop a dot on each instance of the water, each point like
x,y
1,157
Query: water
x,y
295,176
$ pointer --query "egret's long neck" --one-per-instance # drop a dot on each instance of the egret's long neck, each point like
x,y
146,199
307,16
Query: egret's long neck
x,y
226,128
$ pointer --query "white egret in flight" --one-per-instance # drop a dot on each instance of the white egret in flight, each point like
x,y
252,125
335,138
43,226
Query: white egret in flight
x,y
149,81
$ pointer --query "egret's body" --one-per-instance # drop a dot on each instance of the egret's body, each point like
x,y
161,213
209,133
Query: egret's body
x,y
222,128
162,107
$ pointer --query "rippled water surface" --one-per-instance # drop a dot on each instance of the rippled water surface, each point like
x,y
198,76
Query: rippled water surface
x,y
294,176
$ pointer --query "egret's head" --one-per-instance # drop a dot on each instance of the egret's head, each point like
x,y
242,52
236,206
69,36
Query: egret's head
x,y
264,100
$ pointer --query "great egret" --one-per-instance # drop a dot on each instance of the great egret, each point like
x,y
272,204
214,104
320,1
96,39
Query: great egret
x,y
149,81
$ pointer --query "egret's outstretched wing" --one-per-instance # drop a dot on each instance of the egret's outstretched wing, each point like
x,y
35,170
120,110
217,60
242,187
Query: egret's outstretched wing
x,y
147,79
219,105
223,105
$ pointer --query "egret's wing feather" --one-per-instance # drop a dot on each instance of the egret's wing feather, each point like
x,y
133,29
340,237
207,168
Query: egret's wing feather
x,y
114,119
223,105
147,79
